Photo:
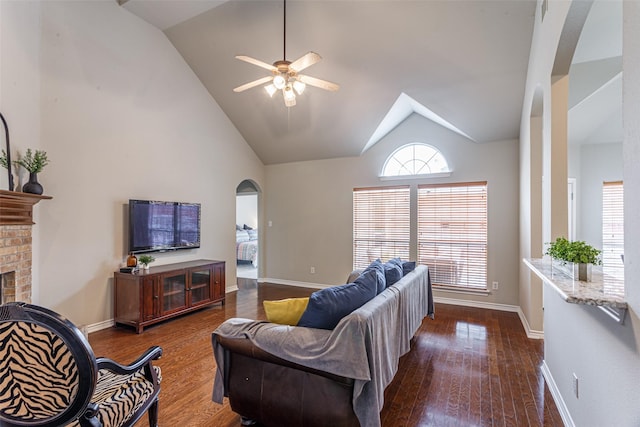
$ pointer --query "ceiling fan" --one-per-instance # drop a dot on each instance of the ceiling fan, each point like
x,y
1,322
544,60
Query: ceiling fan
x,y
285,75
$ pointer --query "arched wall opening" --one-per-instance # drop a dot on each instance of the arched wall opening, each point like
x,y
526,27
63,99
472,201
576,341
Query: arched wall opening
x,y
531,285
248,234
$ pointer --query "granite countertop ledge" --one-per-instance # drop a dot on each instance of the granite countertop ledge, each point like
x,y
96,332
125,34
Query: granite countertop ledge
x,y
604,290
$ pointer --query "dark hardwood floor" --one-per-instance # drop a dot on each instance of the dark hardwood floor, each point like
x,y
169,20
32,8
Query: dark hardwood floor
x,y
468,367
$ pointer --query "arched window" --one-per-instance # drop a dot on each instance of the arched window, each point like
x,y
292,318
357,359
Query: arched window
x,y
415,159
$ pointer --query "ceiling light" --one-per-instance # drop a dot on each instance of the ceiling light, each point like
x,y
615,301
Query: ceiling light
x,y
299,86
285,75
271,89
290,102
279,82
289,96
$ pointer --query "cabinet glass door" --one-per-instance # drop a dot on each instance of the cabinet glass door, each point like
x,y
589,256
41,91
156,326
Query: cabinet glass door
x,y
200,286
174,295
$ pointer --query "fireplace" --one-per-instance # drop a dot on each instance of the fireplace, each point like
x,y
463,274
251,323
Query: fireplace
x,y
7,281
15,244
15,262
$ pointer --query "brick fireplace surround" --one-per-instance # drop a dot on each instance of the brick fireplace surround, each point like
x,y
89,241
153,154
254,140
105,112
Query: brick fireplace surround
x,y
16,223
15,262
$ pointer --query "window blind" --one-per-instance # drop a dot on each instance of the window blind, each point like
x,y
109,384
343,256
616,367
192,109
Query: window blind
x,y
452,233
613,228
381,224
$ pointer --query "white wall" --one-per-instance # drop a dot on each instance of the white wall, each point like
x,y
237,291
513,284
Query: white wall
x,y
580,339
247,210
598,163
121,116
310,206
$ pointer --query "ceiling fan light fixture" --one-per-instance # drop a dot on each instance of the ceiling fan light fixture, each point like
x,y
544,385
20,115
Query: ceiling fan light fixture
x,y
289,95
279,81
285,75
299,87
271,89
290,102
288,92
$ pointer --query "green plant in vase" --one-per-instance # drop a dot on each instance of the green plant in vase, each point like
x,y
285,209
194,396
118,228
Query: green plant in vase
x,y
145,260
3,160
33,162
581,255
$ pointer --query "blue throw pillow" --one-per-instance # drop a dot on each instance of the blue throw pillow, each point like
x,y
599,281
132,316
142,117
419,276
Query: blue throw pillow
x,y
393,271
327,306
380,276
408,267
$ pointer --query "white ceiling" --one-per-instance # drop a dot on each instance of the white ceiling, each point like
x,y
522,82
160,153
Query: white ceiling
x,y
464,61
164,14
595,78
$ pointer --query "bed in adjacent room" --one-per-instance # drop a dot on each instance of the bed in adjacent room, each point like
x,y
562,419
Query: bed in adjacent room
x,y
247,244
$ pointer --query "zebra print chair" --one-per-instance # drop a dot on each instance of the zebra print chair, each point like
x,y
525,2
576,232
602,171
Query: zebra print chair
x,y
49,375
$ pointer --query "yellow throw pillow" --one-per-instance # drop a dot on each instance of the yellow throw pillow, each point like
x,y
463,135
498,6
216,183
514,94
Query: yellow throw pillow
x,y
285,311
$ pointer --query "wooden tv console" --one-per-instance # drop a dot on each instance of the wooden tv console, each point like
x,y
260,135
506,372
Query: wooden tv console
x,y
162,292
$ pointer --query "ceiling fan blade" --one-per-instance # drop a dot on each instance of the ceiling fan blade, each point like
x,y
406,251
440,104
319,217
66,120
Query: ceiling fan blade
x,y
322,84
305,61
257,62
253,84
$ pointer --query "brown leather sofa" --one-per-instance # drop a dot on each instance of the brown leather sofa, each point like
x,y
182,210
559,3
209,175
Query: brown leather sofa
x,y
281,376
279,393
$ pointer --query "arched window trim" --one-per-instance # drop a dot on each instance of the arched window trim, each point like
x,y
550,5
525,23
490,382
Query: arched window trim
x,y
416,176
421,176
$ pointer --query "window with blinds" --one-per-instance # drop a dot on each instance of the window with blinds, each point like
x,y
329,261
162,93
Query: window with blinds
x,y
613,228
452,233
381,224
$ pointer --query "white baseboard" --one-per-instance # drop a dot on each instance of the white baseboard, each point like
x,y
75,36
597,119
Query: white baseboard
x,y
533,334
95,327
231,289
557,397
294,283
477,304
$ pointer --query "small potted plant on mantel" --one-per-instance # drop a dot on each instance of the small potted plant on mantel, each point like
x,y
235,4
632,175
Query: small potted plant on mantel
x,y
576,257
33,162
145,260
3,159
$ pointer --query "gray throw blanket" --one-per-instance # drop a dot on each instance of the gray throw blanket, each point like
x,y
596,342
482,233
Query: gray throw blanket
x,y
365,345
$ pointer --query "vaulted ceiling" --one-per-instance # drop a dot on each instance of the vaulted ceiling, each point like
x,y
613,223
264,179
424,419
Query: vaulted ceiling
x,y
462,61
595,78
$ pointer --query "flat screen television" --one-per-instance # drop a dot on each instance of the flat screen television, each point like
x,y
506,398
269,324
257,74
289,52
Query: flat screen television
x,y
163,226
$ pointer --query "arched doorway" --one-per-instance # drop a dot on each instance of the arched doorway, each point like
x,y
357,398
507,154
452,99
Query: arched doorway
x,y
247,234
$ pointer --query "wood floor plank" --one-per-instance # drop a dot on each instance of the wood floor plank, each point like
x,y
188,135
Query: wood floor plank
x,y
468,367
485,400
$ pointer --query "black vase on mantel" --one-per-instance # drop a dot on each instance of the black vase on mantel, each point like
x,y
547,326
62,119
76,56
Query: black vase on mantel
x,y
33,186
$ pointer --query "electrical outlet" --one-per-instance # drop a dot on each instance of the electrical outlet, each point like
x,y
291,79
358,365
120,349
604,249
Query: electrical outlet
x,y
312,270
575,385
495,286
